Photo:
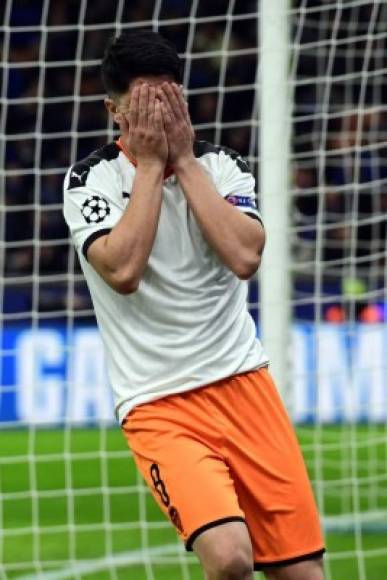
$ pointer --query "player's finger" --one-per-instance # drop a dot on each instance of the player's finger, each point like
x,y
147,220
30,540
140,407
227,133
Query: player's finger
x,y
167,118
172,100
164,99
133,106
181,100
143,105
151,105
122,123
158,116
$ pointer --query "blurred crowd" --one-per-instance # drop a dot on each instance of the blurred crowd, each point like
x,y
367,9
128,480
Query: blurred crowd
x,y
54,115
340,161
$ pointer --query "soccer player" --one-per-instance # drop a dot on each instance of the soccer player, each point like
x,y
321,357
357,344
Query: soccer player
x,y
168,232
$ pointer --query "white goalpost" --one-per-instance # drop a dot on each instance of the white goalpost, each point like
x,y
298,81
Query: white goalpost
x,y
275,126
299,88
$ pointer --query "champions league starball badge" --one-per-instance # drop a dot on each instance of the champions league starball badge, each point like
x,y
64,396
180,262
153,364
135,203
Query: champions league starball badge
x,y
95,209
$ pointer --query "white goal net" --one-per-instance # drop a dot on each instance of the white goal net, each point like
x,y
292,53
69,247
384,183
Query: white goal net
x,y
71,502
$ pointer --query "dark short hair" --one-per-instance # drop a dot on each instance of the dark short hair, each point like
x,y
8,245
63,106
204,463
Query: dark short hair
x,y
138,53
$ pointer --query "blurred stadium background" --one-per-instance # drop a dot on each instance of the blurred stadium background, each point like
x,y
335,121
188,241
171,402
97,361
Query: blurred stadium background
x,y
71,504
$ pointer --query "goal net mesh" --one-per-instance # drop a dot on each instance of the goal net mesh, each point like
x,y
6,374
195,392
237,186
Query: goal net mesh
x,y
71,502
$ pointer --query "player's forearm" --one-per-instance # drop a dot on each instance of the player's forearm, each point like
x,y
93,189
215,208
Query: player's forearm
x,y
129,244
236,238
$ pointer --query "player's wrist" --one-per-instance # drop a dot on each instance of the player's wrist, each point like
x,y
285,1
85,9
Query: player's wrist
x,y
184,162
154,164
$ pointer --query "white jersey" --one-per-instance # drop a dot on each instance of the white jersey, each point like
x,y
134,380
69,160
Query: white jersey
x,y
187,325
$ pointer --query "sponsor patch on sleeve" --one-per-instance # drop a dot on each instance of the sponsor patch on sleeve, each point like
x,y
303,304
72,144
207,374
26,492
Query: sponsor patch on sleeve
x,y
242,201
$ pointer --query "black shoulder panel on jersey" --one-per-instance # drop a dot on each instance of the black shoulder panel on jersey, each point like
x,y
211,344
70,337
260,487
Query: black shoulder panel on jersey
x,y
203,147
80,171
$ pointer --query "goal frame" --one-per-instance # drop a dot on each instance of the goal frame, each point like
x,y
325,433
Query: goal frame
x,y
274,170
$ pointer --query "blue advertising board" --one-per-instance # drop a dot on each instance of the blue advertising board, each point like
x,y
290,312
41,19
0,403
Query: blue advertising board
x,y
54,375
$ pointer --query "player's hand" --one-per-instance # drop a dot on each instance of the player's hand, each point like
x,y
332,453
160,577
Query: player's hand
x,y
142,128
177,123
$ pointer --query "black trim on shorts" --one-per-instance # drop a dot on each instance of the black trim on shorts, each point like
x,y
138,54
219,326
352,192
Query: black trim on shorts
x,y
312,556
87,243
208,526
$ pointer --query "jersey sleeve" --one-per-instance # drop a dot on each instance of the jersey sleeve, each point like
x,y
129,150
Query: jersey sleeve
x,y
91,204
236,184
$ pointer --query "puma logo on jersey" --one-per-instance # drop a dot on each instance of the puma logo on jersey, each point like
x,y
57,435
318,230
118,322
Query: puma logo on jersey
x,y
78,176
74,174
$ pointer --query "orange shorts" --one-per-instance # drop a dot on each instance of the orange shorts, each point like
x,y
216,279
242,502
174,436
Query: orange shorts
x,y
227,452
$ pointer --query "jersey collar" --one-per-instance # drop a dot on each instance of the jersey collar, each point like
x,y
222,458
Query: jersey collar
x,y
168,169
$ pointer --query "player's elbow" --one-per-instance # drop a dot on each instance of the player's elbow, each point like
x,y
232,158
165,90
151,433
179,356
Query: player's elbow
x,y
126,288
247,266
124,283
249,258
